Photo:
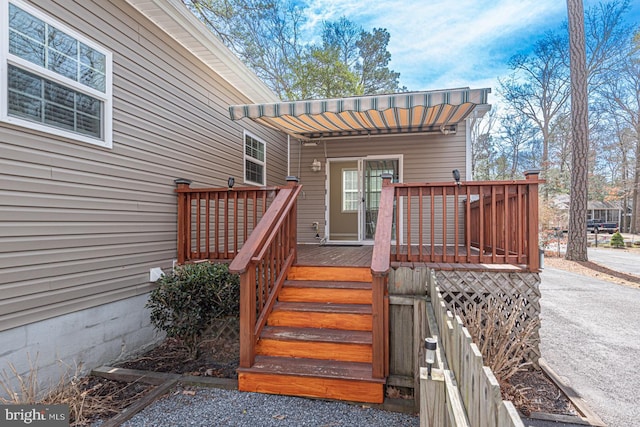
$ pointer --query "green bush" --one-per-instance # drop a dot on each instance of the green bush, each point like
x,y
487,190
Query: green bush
x,y
617,241
188,299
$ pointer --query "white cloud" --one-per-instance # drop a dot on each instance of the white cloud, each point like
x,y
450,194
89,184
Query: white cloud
x,y
444,43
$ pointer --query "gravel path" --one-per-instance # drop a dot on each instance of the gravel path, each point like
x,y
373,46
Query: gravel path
x,y
217,407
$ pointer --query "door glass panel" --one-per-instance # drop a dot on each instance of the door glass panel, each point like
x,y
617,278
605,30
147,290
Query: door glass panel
x,y
373,170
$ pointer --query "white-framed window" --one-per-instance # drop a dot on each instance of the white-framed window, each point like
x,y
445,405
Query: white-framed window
x,y
350,190
53,79
255,164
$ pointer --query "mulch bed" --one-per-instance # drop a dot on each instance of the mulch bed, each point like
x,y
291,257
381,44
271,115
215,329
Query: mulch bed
x,y
218,357
532,391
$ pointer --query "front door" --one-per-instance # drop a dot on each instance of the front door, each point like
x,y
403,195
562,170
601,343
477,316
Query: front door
x,y
344,200
354,196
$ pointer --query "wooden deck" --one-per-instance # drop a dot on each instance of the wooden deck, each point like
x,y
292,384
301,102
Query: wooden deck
x,y
360,256
335,255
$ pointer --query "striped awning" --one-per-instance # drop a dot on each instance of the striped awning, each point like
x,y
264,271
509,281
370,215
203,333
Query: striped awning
x,y
430,111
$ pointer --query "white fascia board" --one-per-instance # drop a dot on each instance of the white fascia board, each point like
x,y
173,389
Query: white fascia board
x,y
173,17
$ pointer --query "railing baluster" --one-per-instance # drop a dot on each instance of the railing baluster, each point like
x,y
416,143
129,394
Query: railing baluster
x,y
198,226
398,222
188,221
467,224
409,242
207,218
519,228
433,225
420,225
456,224
245,216
444,224
236,226
507,229
216,225
493,226
482,224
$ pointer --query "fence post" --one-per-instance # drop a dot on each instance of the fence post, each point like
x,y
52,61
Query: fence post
x,y
182,184
432,402
533,254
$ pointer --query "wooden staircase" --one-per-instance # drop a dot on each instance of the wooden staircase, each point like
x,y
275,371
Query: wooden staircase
x,y
318,341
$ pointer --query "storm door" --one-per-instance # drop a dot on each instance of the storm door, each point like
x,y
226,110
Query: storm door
x,y
372,182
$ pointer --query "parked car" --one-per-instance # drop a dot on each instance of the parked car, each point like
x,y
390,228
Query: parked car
x,y
596,226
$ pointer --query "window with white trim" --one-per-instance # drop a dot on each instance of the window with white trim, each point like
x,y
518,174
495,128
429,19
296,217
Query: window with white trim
x,y
254,160
53,79
349,190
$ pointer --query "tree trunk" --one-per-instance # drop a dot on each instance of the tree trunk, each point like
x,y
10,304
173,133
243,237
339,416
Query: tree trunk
x,y
577,239
636,188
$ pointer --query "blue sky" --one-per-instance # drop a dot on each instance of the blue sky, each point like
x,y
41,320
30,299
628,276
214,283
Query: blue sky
x,y
437,44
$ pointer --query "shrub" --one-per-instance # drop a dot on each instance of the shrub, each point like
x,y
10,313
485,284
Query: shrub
x,y
617,241
504,335
189,298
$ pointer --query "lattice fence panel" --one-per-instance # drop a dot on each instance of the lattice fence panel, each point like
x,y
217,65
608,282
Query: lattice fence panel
x,y
460,287
226,328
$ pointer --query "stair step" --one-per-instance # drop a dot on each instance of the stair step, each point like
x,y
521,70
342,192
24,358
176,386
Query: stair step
x,y
349,274
355,317
350,381
326,344
316,334
330,292
327,284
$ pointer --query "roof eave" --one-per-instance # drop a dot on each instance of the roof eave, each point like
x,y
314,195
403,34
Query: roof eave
x,y
173,17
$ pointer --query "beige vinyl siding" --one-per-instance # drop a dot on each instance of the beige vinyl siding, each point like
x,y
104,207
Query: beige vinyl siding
x,y
426,158
80,225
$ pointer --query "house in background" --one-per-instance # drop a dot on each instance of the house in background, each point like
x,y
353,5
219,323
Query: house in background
x,y
609,211
102,106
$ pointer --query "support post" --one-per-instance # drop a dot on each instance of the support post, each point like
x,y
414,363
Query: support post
x,y
248,316
181,185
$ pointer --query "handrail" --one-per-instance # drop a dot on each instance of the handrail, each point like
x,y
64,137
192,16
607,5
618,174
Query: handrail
x,y
263,264
380,266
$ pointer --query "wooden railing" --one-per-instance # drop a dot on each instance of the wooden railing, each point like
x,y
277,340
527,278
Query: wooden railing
x,y
263,264
479,222
214,223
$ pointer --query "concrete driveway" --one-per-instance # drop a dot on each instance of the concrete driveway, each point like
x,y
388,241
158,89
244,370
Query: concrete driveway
x,y
590,335
625,260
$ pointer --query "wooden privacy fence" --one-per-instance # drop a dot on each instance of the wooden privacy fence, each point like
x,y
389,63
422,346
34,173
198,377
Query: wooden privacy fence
x,y
263,264
214,223
478,222
461,390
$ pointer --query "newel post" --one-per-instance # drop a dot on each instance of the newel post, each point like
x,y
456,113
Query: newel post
x,y
532,226
182,184
292,182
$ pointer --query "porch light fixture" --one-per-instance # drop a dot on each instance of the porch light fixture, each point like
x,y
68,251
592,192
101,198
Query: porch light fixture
x,y
230,182
316,165
430,345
